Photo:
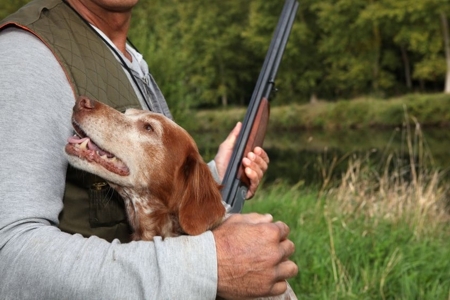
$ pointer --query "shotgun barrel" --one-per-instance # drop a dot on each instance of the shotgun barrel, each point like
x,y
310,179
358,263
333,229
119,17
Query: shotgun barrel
x,y
235,183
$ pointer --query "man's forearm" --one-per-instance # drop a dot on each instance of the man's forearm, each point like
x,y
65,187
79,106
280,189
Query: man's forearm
x,y
43,263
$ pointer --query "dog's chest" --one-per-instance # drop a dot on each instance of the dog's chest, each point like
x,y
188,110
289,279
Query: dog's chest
x,y
148,216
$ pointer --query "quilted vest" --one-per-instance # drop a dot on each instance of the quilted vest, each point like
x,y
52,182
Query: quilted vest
x,y
91,207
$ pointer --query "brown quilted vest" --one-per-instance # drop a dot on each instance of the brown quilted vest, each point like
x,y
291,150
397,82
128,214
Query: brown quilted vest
x,y
90,206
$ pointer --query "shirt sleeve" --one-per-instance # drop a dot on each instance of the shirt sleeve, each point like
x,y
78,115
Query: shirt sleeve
x,y
37,260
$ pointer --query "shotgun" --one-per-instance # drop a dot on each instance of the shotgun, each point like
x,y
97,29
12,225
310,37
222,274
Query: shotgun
x,y
235,183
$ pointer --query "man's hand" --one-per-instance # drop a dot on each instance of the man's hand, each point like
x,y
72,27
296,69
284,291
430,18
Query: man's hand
x,y
253,257
255,163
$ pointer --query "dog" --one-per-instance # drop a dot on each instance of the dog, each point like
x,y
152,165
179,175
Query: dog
x,y
154,164
156,167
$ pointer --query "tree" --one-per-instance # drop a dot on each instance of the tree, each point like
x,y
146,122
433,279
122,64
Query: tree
x,y
420,36
203,46
301,71
351,44
9,6
445,33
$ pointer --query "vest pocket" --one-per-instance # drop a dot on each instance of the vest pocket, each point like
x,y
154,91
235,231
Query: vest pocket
x,y
106,208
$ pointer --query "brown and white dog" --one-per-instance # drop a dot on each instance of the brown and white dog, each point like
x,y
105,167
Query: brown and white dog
x,y
155,166
153,163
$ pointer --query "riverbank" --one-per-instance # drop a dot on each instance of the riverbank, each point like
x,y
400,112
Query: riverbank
x,y
430,110
302,139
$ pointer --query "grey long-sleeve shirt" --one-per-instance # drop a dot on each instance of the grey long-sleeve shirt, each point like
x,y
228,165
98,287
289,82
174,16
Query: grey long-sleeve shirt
x,y
37,260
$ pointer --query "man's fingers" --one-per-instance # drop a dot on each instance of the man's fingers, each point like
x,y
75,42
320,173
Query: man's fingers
x,y
284,230
286,270
278,288
253,169
257,161
253,176
255,165
263,154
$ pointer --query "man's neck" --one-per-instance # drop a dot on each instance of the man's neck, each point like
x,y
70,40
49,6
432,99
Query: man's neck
x,y
113,23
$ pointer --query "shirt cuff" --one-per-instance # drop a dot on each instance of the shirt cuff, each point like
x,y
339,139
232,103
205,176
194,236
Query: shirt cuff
x,y
213,168
193,267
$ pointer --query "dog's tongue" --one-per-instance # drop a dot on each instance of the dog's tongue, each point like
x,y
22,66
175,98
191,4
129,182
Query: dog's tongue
x,y
90,145
84,148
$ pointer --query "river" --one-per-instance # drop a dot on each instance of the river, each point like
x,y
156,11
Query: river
x,y
305,156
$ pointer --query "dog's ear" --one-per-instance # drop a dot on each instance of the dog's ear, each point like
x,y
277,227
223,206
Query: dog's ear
x,y
200,208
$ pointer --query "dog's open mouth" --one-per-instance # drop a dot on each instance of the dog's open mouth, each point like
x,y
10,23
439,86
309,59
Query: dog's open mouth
x,y
82,146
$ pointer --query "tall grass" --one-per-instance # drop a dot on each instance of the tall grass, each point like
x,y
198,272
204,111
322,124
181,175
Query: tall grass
x,y
381,232
404,186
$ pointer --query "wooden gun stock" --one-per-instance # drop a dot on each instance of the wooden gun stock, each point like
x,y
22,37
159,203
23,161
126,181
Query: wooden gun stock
x,y
235,183
256,136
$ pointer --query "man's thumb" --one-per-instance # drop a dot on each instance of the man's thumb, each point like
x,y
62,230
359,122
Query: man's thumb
x,y
230,141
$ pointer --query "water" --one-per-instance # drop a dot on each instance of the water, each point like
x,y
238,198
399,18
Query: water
x,y
302,156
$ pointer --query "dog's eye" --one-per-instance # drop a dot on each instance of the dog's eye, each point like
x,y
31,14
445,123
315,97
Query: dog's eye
x,y
148,127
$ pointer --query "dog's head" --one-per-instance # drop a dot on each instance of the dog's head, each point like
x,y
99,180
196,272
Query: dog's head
x,y
146,153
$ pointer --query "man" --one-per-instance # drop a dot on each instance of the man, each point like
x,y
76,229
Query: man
x,y
50,53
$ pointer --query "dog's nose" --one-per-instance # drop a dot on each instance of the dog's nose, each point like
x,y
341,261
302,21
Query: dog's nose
x,y
84,102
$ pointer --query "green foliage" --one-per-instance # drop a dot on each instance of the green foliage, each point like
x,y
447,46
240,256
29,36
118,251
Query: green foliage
x,y
9,6
209,53
193,52
337,49
361,113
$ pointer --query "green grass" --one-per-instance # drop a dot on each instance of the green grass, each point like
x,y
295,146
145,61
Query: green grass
x,y
350,256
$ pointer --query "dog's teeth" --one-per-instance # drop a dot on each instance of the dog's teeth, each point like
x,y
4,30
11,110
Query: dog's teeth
x,y
84,144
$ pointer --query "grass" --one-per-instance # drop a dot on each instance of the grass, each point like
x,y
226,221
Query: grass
x,y
350,256
382,231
